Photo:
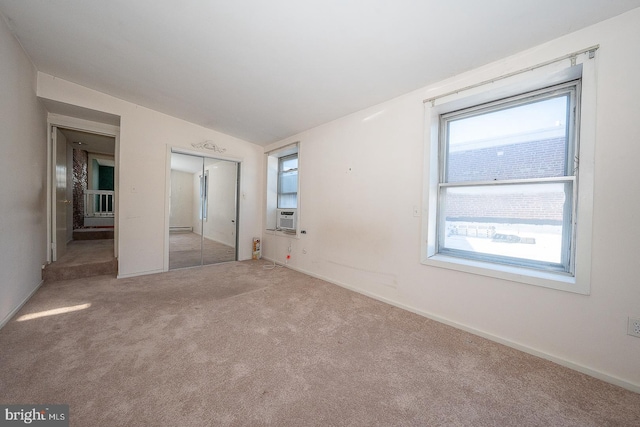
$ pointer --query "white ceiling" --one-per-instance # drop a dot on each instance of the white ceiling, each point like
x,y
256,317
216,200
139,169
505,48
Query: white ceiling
x,y
91,142
264,70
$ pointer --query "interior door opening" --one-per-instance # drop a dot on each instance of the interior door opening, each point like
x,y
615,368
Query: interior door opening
x,y
83,197
203,210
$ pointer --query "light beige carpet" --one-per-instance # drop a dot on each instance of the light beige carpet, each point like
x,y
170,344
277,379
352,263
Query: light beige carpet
x,y
81,252
83,258
187,249
235,344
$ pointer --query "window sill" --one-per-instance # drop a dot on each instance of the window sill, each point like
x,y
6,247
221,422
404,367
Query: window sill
x,y
281,233
559,281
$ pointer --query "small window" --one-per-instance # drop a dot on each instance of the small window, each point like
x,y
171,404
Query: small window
x,y
507,180
282,187
288,182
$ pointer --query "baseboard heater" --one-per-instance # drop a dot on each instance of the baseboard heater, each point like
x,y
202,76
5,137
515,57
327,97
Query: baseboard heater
x,y
177,229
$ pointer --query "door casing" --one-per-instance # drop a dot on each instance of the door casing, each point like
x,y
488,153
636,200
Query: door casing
x,y
57,120
180,150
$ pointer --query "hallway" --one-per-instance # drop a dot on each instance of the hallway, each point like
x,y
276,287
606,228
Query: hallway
x,y
80,252
84,258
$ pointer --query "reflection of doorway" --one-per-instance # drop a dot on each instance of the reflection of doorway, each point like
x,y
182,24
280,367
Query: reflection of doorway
x,y
203,220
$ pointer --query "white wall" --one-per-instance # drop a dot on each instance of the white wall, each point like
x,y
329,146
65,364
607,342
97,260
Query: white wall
x,y
361,176
23,166
222,203
181,199
144,137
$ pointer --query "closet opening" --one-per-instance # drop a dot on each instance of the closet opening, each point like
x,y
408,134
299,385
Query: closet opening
x,y
203,210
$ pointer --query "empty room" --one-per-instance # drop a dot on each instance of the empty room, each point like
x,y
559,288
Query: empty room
x,y
316,213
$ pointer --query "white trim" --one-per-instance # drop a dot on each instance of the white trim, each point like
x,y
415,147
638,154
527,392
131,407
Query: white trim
x,y
167,207
284,150
49,191
58,120
556,73
270,201
201,153
612,379
83,125
280,233
139,273
15,311
170,149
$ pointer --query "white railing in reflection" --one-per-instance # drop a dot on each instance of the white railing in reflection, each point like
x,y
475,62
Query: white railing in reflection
x,y
98,203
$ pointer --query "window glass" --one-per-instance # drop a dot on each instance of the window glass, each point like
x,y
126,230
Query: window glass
x,y
522,223
517,142
288,182
506,191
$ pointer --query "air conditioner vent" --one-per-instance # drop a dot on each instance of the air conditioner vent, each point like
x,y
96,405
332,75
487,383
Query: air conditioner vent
x,y
287,219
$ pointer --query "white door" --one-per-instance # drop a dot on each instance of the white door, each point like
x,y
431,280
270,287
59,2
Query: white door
x,y
61,201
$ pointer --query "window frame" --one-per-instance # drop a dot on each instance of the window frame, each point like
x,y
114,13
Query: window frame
x,y
571,90
281,172
272,166
583,67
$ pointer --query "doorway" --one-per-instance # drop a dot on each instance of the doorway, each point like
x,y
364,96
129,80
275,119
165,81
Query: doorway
x,y
203,210
82,193
83,188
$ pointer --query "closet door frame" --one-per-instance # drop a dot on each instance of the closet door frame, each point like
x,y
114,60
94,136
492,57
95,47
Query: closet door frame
x,y
204,155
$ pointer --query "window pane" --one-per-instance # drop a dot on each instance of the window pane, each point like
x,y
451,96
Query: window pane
x,y
288,182
288,201
519,142
289,163
524,221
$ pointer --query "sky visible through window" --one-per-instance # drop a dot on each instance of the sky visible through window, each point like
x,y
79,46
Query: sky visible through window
x,y
288,183
520,141
522,119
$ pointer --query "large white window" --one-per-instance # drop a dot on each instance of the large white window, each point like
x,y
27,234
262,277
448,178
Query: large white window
x,y
509,179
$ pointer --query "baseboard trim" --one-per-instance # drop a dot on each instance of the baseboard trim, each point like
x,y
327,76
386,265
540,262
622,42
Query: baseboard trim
x,y
518,346
142,273
15,311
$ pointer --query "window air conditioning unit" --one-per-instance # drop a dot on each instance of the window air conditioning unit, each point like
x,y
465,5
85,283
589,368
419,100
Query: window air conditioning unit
x,y
286,219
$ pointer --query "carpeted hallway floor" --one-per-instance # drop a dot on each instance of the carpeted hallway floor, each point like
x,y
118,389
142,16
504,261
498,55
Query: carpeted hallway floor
x,y
236,344
81,252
